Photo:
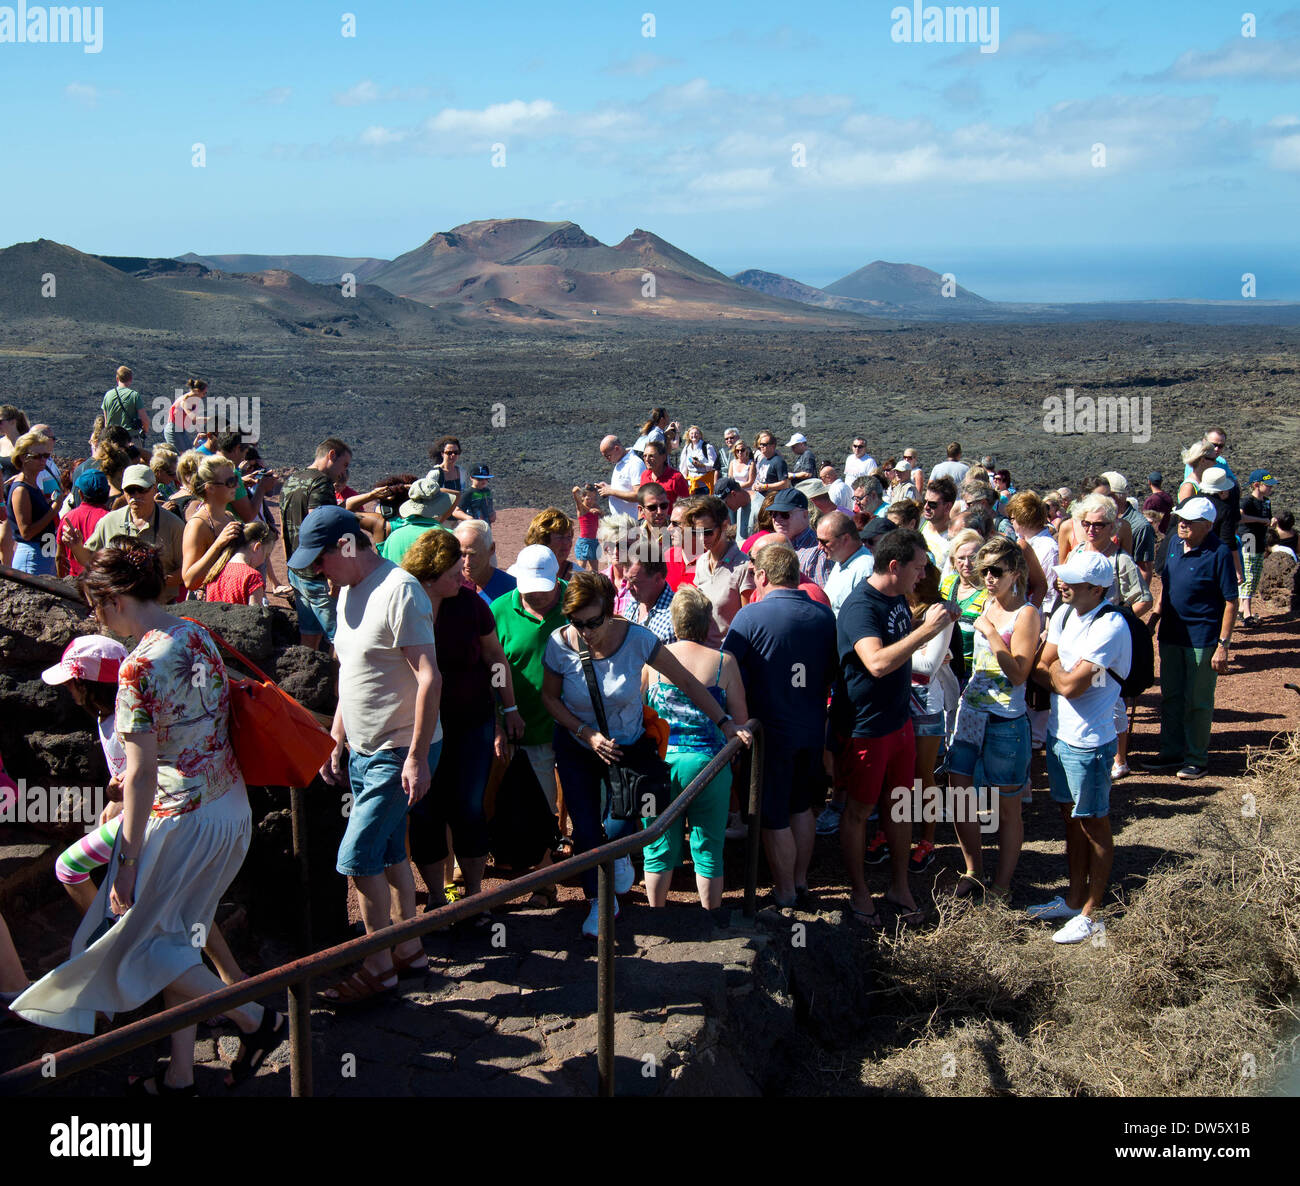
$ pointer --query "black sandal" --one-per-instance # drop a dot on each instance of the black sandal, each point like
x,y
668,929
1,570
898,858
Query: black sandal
x,y
139,1084
254,1047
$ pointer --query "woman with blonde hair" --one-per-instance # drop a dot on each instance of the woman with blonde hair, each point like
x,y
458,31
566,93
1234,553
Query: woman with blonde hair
x,y
32,514
616,535
554,529
699,460
212,529
991,736
1201,456
693,739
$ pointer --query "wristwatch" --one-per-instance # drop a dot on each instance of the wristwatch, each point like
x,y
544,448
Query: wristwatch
x,y
1223,642
127,862
726,716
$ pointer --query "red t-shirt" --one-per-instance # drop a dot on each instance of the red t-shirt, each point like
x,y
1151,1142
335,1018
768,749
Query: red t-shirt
x,y
816,592
673,483
236,583
83,517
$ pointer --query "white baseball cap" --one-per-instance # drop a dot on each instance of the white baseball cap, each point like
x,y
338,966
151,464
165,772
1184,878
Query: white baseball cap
x,y
535,570
1194,508
1215,481
1087,568
797,439
91,657
1116,481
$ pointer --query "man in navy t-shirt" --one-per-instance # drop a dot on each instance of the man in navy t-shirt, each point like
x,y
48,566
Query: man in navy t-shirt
x,y
1198,608
785,646
876,640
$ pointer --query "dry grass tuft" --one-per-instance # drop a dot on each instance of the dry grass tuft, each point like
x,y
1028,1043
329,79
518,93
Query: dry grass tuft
x,y
1193,992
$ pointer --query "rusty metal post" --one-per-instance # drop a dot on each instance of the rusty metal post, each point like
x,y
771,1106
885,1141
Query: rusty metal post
x,y
755,814
605,979
298,817
300,1038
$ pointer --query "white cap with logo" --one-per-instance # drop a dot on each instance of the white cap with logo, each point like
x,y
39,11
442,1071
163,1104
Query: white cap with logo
x,y
536,569
1087,568
1196,508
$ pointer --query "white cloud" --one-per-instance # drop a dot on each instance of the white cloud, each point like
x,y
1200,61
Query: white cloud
x,y
734,181
1245,58
499,119
83,93
381,137
367,92
640,66
277,96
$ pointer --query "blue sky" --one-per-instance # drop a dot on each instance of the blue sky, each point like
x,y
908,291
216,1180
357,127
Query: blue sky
x,y
979,163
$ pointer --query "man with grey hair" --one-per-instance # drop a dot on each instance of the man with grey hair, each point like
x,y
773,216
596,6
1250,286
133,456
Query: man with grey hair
x,y
623,482
478,561
980,496
868,499
840,491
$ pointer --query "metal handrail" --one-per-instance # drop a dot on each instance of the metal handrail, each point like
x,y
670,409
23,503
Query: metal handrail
x,y
296,975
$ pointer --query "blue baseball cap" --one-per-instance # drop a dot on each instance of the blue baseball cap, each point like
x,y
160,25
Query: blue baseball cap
x,y
321,529
93,485
789,500
1262,475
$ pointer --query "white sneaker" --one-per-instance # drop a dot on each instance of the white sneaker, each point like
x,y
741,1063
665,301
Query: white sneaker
x,y
1056,908
1079,928
591,927
624,875
1119,770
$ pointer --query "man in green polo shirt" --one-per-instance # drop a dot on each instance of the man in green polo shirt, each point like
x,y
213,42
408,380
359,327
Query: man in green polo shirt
x,y
526,619
422,511
143,519
123,407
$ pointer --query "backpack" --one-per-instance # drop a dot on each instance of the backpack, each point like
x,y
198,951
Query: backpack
x,y
1142,669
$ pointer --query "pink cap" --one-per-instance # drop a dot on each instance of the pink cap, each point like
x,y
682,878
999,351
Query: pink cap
x,y
91,657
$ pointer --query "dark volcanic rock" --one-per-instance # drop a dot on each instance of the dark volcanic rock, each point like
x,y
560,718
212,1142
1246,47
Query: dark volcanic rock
x,y
307,676
247,628
1279,581
36,626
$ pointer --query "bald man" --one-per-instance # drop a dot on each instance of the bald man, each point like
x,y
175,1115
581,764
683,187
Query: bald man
x,y
623,482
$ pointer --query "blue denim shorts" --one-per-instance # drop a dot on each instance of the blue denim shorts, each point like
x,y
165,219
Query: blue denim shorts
x,y
317,610
1081,777
929,724
375,837
1001,761
586,549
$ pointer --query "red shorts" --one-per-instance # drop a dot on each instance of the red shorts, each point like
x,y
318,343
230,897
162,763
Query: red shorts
x,y
876,764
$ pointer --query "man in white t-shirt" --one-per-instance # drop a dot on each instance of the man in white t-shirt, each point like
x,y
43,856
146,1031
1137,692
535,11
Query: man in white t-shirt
x,y
954,468
1088,652
840,491
859,463
387,715
623,482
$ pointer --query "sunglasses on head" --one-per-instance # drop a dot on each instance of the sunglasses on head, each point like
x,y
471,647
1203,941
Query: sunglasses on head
x,y
587,623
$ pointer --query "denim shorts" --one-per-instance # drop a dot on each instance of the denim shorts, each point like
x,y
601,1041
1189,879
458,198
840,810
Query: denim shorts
x,y
930,724
375,837
1002,760
317,610
586,549
1081,777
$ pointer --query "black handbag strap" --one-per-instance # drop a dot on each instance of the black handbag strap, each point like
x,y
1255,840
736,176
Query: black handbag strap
x,y
593,688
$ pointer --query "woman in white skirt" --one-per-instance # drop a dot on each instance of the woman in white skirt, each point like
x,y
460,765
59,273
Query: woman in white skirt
x,y
185,830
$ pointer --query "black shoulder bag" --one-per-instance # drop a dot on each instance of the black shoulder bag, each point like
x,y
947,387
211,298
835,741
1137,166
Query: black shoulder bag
x,y
639,783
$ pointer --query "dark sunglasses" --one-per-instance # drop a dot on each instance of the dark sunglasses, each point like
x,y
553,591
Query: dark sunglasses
x,y
860,446
589,623
135,491
933,502
451,452
994,571
780,514
654,506
232,482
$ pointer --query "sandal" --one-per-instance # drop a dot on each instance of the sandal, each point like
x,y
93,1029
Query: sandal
x,y
254,1047
405,965
545,898
155,1085
870,921
362,985
967,885
906,914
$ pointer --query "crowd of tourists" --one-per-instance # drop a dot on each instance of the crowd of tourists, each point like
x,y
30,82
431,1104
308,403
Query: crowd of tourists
x,y
908,641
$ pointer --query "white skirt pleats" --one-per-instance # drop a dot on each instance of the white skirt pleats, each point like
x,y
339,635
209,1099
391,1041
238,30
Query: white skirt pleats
x,y
186,864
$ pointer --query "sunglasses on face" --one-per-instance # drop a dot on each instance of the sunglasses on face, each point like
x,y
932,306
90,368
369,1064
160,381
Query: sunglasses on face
x,y
38,456
587,623
232,482
703,532
135,491
931,502
994,571
655,506
1089,525
781,514
451,452
860,446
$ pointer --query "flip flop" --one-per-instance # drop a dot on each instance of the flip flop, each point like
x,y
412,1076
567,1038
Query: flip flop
x,y
906,914
871,921
975,884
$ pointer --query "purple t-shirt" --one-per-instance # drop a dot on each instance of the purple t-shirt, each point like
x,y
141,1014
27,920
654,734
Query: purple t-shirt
x,y
466,681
